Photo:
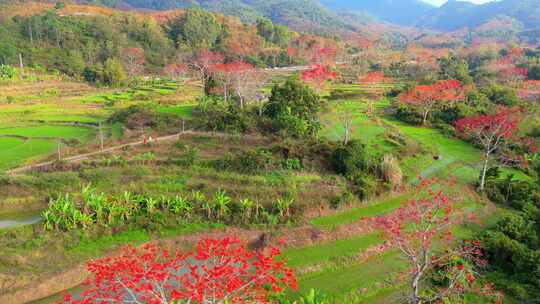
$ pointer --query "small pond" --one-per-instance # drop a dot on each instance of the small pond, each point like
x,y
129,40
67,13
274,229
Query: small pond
x,y
11,220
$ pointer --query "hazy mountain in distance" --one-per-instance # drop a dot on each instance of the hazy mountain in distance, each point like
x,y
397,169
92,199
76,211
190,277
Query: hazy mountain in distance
x,y
458,14
405,12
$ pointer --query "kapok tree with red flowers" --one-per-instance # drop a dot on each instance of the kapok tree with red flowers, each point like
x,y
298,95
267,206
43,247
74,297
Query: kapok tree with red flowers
x,y
529,90
490,132
318,75
427,97
240,78
176,71
322,55
217,271
202,65
133,59
417,230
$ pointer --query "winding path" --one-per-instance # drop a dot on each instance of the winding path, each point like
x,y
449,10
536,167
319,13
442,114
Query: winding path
x,y
81,157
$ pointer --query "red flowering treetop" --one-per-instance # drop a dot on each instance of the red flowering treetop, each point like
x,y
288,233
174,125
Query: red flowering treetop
x,y
374,77
418,229
133,59
427,97
322,55
529,90
513,73
217,271
175,70
318,75
234,77
489,131
202,64
508,67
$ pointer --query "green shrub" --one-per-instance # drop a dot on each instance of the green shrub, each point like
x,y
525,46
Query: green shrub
x,y
344,199
365,185
350,159
292,164
190,157
6,72
293,109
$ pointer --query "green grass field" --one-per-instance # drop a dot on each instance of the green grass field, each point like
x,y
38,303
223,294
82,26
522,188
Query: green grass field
x,y
355,214
332,251
16,152
82,134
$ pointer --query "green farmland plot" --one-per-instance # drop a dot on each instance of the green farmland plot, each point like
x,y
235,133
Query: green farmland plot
x,y
364,127
20,144
337,282
311,255
359,213
13,153
82,134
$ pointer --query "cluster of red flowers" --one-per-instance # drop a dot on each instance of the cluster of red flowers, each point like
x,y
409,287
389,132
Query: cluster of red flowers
x,y
318,75
426,97
374,77
217,271
489,129
529,90
444,90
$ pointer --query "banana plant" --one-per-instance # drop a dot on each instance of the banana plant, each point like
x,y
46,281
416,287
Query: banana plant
x,y
181,205
246,205
200,201
221,202
150,204
258,209
97,202
284,207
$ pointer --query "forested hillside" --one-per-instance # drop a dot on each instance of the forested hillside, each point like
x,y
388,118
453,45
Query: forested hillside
x,y
91,42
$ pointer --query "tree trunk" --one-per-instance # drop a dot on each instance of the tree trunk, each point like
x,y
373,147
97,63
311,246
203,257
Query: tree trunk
x,y
21,66
415,297
424,119
484,171
30,33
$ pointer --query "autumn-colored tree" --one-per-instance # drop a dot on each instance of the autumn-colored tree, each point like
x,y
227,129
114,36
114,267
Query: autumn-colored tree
x,y
529,90
240,78
176,71
320,55
248,83
374,77
427,97
418,230
133,59
513,73
217,271
202,65
490,132
318,75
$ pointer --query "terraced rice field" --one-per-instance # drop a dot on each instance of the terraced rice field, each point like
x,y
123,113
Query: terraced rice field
x,y
336,267
36,116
